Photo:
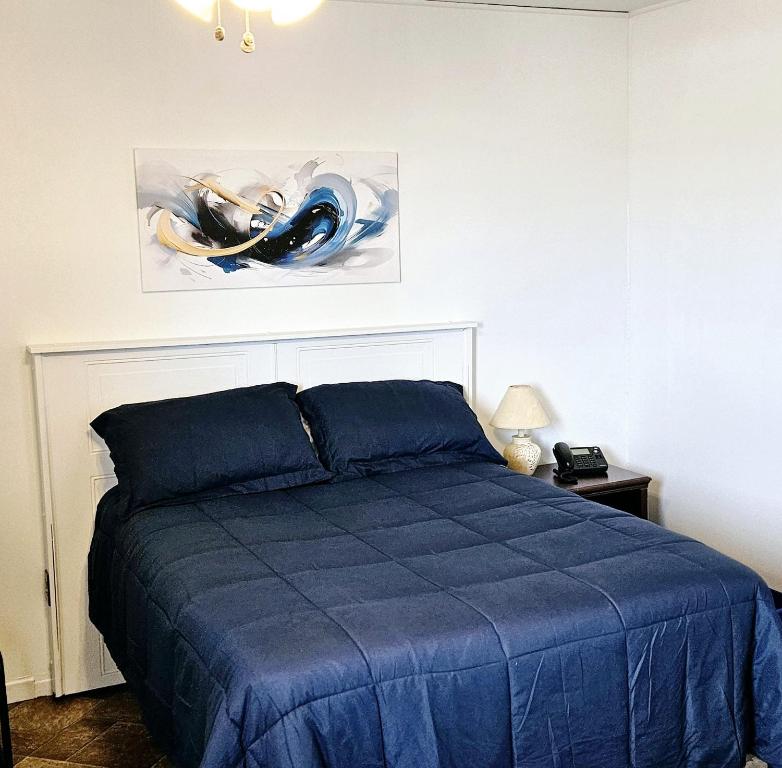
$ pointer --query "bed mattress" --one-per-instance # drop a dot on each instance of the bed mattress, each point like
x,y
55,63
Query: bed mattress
x,y
450,617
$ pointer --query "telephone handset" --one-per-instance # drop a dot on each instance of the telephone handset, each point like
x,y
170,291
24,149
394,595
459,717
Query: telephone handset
x,y
573,463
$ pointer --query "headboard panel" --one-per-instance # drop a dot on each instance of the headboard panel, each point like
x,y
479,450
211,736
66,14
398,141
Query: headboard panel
x,y
76,382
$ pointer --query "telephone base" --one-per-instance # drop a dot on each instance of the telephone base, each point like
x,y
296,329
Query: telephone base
x,y
566,478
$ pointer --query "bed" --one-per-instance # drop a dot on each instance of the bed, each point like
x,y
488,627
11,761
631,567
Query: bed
x,y
429,611
444,614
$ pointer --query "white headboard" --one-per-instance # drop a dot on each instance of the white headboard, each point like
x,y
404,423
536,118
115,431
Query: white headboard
x,y
76,382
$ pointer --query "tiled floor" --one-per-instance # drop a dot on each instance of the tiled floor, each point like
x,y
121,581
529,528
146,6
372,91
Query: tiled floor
x,y
96,730
101,729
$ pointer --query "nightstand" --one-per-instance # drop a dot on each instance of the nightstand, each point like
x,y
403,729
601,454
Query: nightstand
x,y
620,488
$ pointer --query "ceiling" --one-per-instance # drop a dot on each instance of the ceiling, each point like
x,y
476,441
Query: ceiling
x,y
583,5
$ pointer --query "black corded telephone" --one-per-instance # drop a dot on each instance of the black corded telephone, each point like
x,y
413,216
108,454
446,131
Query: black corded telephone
x,y
573,463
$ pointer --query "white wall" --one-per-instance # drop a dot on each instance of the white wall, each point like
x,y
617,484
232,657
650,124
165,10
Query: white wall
x,y
706,270
511,133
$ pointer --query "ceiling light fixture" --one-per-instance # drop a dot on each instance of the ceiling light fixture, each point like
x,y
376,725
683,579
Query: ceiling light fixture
x,y
283,12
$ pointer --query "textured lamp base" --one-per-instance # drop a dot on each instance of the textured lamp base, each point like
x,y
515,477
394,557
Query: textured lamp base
x,y
522,455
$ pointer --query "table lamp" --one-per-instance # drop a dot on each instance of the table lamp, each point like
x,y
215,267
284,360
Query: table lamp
x,y
520,409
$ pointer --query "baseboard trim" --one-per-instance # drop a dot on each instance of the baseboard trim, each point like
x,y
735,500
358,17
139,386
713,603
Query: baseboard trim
x,y
24,688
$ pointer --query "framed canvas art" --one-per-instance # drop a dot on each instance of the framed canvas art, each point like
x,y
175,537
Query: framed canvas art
x,y
257,218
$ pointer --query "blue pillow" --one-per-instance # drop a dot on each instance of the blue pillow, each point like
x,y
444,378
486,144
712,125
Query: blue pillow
x,y
363,428
250,438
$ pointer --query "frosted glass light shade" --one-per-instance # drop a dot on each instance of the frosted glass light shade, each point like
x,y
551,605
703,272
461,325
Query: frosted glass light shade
x,y
201,8
283,11
520,409
290,11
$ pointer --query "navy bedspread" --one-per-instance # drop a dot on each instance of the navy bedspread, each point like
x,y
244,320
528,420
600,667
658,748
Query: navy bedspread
x,y
451,617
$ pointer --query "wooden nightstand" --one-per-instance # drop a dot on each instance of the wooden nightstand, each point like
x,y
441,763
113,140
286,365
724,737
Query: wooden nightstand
x,y
620,488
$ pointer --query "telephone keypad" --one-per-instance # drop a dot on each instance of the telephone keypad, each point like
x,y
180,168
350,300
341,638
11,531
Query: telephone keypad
x,y
592,460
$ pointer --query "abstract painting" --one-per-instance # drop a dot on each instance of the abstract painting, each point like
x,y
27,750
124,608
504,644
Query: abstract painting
x,y
257,218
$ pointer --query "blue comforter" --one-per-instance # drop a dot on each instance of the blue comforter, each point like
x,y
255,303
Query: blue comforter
x,y
450,617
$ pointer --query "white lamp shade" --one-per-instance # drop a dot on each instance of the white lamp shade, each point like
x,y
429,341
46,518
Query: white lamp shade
x,y
520,409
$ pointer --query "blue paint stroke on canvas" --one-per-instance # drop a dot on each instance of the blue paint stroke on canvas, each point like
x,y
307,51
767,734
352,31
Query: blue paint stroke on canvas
x,y
308,220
